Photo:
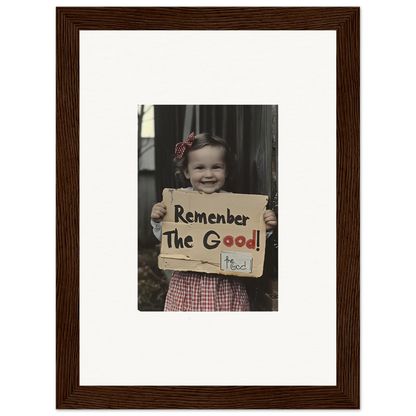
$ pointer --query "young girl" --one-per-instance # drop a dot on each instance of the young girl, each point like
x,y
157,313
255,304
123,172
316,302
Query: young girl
x,y
206,161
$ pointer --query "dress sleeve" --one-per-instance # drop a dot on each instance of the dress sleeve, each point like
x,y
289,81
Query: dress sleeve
x,y
157,229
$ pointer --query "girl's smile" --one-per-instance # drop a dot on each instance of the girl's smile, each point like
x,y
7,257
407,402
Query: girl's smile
x,y
206,169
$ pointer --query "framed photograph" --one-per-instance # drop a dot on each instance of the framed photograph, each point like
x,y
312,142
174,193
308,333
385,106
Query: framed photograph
x,y
248,135
289,75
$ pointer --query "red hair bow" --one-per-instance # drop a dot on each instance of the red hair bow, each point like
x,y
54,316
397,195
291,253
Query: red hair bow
x,y
181,147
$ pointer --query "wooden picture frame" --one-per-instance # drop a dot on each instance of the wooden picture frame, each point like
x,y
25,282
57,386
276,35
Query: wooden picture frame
x,y
69,393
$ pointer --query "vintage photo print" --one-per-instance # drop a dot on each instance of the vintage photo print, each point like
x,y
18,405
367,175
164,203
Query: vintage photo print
x,y
208,192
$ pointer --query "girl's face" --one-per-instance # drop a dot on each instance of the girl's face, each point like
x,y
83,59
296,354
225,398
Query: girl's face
x,y
206,169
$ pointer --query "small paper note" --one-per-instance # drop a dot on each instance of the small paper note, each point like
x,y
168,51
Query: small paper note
x,y
236,262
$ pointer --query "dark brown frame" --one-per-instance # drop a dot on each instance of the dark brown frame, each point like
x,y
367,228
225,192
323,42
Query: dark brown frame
x,y
346,393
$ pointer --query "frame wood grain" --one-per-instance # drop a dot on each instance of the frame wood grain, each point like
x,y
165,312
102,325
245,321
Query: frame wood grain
x,y
69,394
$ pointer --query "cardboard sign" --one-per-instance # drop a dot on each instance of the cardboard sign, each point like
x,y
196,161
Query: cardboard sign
x,y
213,233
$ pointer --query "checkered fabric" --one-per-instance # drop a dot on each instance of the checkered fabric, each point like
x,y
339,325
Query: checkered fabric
x,y
200,292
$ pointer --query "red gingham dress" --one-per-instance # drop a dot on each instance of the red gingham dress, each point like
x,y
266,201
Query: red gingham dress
x,y
201,292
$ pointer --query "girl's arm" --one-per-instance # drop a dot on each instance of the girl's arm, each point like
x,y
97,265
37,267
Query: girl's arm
x,y
156,216
157,229
271,221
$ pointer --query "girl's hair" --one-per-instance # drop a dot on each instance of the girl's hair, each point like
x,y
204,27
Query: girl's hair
x,y
202,140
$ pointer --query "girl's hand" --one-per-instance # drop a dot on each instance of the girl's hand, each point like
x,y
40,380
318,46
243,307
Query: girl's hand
x,y
158,212
270,219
